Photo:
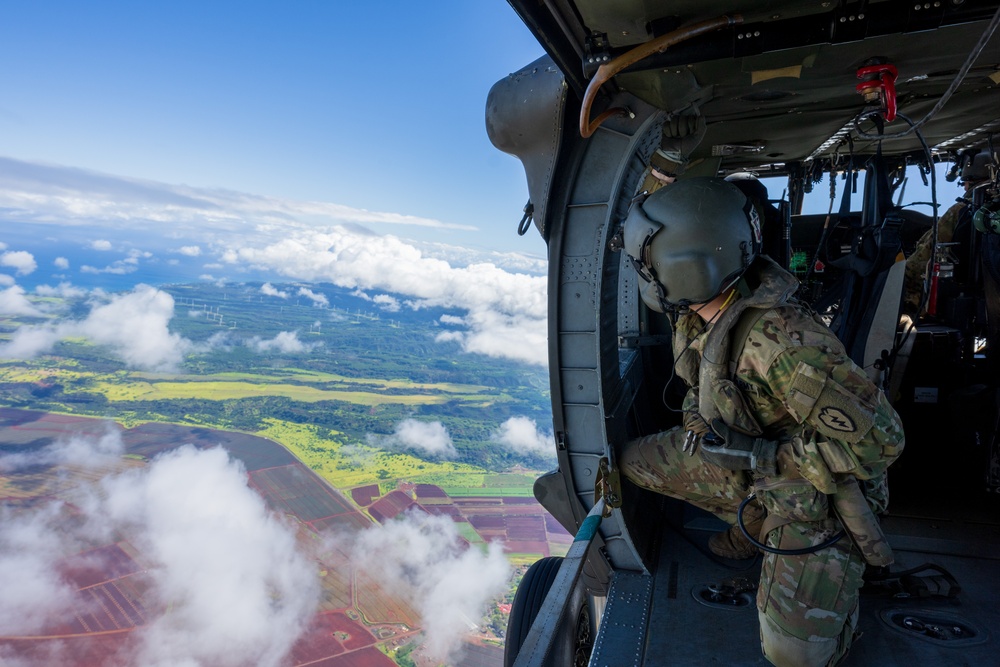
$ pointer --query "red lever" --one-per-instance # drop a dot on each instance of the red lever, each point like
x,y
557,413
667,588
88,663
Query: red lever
x,y
880,80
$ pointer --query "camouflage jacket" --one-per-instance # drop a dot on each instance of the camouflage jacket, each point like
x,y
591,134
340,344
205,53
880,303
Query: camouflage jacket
x,y
798,386
916,264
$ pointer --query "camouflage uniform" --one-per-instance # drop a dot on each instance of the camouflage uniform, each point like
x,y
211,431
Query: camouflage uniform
x,y
917,263
796,385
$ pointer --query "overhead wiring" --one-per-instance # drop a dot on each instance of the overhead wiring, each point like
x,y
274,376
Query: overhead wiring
x,y
959,78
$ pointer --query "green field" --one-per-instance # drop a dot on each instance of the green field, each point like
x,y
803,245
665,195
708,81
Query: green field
x,y
330,404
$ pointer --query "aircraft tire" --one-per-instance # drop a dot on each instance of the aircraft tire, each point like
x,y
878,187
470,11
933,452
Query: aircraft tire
x,y
575,638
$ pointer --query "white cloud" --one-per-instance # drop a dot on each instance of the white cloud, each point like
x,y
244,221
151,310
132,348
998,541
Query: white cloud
x,y
422,559
121,268
387,303
61,263
244,593
134,325
502,292
29,342
48,193
6,280
451,319
73,450
21,260
233,587
430,438
450,337
33,590
101,244
190,250
64,289
317,298
14,302
270,290
521,435
134,254
507,311
286,342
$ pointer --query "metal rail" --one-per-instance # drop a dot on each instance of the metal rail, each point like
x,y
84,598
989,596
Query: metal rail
x,y
542,635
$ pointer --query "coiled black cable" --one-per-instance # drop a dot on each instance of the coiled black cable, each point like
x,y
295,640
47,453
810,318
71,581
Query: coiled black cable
x,y
781,552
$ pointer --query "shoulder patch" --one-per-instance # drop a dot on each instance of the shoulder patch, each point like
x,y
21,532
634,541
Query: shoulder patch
x,y
836,419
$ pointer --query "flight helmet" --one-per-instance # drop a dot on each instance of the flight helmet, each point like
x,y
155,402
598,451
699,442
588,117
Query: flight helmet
x,y
690,241
977,168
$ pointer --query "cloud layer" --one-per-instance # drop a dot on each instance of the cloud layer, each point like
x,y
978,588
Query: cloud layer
x,y
423,559
238,589
134,325
521,435
428,438
503,293
506,311
229,584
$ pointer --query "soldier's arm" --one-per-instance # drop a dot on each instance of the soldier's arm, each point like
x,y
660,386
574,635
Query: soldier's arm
x,y
916,263
846,425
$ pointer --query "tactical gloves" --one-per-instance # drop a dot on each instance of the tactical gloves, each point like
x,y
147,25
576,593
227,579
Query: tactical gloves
x,y
733,450
694,423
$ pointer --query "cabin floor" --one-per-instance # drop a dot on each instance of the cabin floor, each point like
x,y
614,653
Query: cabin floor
x,y
685,630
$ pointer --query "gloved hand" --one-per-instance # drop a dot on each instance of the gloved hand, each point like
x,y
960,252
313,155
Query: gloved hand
x,y
733,450
695,423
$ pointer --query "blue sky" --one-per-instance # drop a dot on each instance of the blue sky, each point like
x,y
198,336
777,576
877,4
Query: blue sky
x,y
317,142
374,105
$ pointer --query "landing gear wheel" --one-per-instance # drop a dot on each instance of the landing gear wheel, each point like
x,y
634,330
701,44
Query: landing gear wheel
x,y
574,637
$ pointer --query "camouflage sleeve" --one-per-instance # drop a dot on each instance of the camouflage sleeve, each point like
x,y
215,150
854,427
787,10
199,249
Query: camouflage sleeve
x,y
916,269
847,424
916,263
692,420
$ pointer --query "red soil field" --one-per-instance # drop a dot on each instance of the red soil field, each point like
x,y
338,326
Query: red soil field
x,y
364,495
553,526
526,528
348,521
96,566
430,491
84,651
330,635
294,489
526,547
480,655
392,505
488,522
446,510
477,501
514,500
368,657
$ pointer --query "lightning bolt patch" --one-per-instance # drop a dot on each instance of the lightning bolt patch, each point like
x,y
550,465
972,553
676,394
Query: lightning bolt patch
x,y
836,420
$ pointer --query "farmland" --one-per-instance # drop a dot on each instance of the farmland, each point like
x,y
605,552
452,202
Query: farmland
x,y
314,426
357,616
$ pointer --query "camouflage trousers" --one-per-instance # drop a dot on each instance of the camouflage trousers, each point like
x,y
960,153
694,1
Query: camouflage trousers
x,y
807,604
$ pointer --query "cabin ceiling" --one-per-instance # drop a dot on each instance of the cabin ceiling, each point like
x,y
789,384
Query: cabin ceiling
x,y
785,78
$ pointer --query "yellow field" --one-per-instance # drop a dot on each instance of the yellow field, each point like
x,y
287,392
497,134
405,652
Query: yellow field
x,y
313,377
38,373
137,386
348,466
220,391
